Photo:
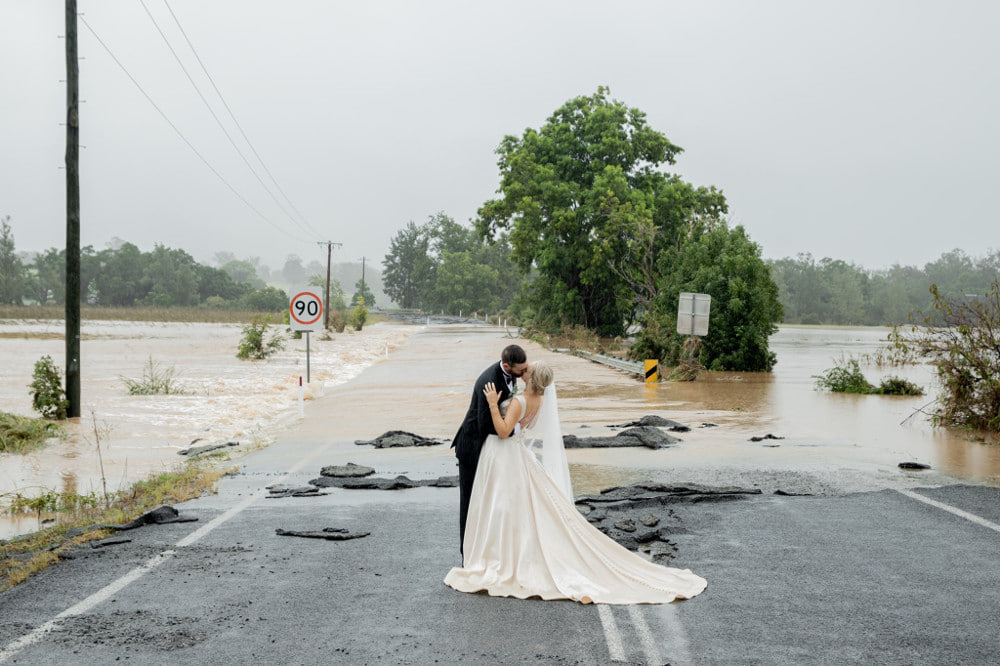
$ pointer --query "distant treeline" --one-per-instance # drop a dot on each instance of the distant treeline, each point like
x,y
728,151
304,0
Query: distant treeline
x,y
832,291
123,276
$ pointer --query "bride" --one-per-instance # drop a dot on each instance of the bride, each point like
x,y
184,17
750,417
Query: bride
x,y
524,535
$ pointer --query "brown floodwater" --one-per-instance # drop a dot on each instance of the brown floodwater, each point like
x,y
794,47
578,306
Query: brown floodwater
x,y
417,378
841,442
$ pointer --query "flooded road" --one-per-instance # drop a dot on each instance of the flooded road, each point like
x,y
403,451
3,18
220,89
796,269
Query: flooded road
x,y
822,434
837,443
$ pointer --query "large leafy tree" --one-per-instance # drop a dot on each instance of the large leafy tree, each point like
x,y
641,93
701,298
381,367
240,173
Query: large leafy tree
x,y
580,194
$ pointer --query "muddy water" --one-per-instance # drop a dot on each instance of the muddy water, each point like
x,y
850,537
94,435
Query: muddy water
x,y
836,442
829,443
220,399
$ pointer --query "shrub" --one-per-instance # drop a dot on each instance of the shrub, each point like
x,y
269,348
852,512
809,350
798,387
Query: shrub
x,y
254,344
19,434
358,315
898,386
155,380
47,395
846,377
961,337
338,320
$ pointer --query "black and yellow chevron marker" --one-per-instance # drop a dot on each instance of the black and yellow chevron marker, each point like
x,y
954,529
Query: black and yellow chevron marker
x,y
652,376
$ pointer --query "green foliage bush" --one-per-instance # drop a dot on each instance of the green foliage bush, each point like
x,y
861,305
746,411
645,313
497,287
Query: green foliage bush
x,y
255,344
961,337
359,315
47,395
846,377
898,386
155,380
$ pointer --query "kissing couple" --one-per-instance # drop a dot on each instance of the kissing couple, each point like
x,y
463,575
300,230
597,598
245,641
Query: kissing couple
x,y
520,532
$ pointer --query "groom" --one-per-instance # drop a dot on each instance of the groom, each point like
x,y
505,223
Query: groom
x,y
478,423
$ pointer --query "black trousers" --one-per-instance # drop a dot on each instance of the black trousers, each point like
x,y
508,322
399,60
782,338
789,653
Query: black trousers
x,y
466,475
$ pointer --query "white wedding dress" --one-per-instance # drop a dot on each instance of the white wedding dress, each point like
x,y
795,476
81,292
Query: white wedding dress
x,y
525,538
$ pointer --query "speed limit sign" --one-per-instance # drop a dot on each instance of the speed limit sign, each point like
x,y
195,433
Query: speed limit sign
x,y
305,310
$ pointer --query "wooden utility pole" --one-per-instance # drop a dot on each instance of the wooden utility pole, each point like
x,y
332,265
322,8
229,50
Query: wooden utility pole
x,y
363,278
326,303
72,215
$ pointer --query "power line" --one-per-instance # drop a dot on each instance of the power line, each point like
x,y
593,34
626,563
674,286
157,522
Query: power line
x,y
216,117
184,138
237,122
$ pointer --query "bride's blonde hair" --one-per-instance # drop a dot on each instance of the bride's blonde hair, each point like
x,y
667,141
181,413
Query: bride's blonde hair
x,y
541,376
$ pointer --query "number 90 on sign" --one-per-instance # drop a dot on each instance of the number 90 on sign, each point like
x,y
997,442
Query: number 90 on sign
x,y
305,311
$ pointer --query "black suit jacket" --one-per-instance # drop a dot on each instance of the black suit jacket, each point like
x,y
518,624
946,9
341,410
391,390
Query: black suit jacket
x,y
478,423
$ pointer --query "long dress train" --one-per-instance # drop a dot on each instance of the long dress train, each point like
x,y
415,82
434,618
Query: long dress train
x,y
524,537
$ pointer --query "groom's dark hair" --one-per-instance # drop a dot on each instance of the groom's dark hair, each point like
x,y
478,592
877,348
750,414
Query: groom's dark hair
x,y
513,354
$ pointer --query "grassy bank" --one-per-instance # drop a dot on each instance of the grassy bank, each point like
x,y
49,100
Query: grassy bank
x,y
78,517
21,434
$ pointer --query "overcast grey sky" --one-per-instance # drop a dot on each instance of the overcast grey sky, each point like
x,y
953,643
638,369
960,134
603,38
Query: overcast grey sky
x,y
863,131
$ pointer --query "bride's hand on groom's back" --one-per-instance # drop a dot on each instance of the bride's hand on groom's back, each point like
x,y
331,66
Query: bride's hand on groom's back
x,y
490,391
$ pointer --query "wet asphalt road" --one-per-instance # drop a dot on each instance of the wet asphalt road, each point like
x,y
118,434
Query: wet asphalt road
x,y
865,578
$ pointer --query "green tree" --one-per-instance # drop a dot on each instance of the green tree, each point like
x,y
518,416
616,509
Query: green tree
x,y
575,194
846,285
215,282
362,294
407,267
727,265
464,285
119,280
12,278
268,299
293,272
47,277
170,277
338,300
243,272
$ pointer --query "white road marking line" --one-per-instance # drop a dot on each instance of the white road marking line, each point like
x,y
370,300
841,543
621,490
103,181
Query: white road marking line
x,y
950,509
645,635
116,586
611,636
84,606
680,653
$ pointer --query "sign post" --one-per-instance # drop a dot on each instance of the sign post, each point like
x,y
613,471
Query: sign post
x,y
305,313
692,316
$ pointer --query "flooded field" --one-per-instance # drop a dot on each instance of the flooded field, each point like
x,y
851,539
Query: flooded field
x,y
221,398
226,399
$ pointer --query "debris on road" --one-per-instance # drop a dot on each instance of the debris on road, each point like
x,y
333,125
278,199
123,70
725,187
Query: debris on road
x,y
328,533
395,438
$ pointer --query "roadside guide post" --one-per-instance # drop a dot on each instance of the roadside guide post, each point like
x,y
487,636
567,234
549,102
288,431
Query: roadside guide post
x,y
692,317
305,312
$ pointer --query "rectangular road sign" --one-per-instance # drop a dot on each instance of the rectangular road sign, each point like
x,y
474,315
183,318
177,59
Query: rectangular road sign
x,y
692,313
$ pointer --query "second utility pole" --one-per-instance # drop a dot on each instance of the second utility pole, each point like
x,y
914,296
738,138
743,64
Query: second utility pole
x,y
326,303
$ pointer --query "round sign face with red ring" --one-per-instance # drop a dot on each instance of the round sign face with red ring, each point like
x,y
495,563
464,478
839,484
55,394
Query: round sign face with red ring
x,y
305,311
